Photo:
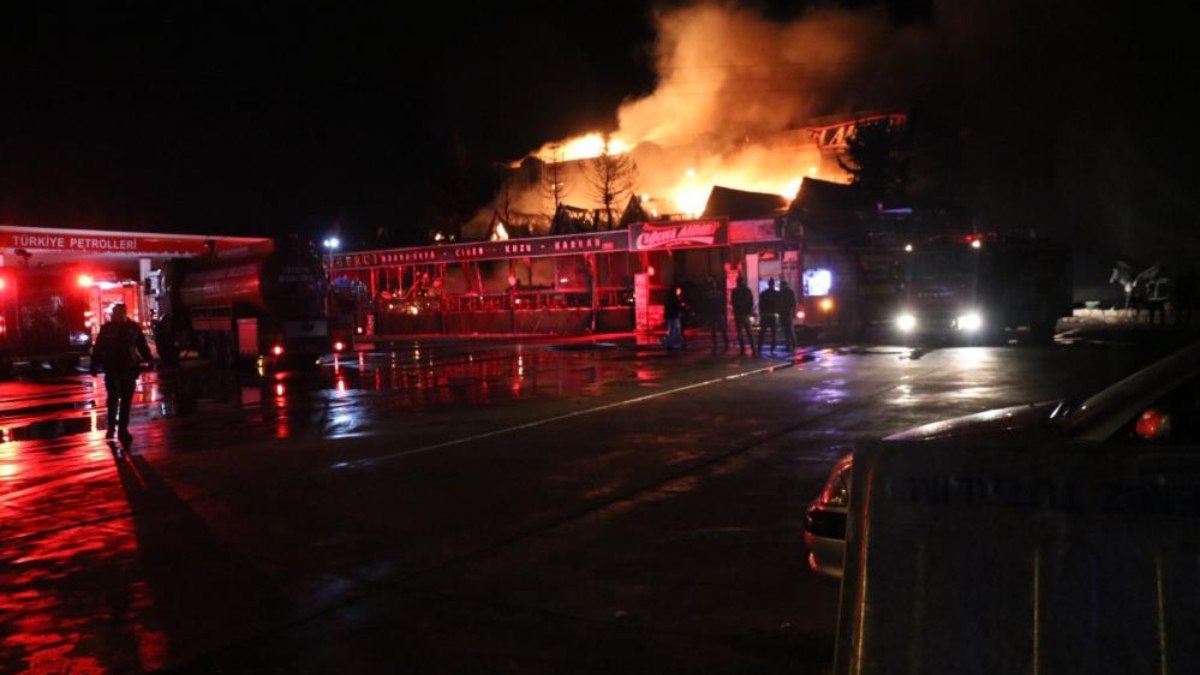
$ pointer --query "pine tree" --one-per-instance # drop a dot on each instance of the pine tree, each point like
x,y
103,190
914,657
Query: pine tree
x,y
612,178
554,186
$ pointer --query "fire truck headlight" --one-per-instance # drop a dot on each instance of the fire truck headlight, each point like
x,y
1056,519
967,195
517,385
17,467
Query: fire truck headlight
x,y
906,322
79,338
970,322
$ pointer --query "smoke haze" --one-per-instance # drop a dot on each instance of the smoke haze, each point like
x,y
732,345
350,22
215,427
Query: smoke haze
x,y
1063,110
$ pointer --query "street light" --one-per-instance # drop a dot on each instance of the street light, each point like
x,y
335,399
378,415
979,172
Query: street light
x,y
331,244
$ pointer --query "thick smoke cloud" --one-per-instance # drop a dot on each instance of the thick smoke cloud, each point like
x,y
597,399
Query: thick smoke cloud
x,y
726,71
735,93
1071,118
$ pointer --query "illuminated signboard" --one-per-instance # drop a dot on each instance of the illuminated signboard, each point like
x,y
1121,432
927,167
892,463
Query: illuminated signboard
x,y
834,137
122,243
681,234
746,231
532,247
817,282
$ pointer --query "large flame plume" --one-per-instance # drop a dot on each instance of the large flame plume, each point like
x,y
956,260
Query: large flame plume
x,y
735,95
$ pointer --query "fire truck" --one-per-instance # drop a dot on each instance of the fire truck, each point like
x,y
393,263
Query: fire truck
x,y
973,288
46,316
239,308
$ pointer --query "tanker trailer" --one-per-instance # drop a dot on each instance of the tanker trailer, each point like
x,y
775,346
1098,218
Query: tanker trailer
x,y
237,309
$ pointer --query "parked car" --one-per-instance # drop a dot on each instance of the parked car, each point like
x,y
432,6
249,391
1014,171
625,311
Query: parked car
x,y
1158,404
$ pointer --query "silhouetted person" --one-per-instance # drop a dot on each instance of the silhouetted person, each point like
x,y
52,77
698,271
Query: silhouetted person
x,y
119,351
743,306
786,301
768,315
673,313
715,312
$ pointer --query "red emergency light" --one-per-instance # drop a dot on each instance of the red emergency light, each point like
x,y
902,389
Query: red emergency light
x,y
277,350
339,346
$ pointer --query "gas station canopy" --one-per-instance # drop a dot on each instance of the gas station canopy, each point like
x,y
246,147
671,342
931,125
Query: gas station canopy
x,y
50,246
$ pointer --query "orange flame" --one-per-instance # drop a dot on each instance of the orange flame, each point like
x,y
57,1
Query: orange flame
x,y
587,146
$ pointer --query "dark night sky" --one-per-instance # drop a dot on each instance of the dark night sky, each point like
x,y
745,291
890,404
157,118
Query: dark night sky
x,y
262,116
266,117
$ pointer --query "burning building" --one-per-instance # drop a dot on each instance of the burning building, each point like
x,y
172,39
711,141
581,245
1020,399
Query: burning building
x,y
741,102
565,180
694,181
558,254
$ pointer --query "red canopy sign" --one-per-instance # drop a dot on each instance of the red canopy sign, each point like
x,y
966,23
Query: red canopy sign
x,y
682,234
127,243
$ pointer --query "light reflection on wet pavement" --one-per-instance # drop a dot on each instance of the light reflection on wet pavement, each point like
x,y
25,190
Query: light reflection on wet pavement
x,y
109,556
334,399
74,506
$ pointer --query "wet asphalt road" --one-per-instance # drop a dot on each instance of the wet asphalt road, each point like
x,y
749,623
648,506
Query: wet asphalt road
x,y
453,507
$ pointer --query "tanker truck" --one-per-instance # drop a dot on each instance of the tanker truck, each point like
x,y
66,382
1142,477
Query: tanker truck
x,y
240,308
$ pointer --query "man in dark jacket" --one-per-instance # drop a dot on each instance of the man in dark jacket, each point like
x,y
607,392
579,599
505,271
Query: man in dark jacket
x,y
119,351
714,312
768,315
743,306
787,314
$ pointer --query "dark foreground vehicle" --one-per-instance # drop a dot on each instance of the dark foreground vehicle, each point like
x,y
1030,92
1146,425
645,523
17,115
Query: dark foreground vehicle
x,y
1158,404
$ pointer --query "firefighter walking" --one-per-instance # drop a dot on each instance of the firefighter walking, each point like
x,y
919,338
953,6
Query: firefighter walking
x,y
119,351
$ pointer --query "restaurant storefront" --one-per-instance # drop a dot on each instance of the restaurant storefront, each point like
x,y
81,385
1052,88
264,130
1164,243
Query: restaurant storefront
x,y
597,282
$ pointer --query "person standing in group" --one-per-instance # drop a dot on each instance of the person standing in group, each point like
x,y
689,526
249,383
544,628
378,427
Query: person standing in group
x,y
715,312
119,351
673,310
787,314
743,306
768,315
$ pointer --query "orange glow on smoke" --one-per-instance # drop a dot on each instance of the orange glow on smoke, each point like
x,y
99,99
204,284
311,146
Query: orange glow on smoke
x,y
587,146
690,199
666,186
741,101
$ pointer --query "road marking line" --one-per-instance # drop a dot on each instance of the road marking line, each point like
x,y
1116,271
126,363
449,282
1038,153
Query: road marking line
x,y
557,418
